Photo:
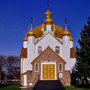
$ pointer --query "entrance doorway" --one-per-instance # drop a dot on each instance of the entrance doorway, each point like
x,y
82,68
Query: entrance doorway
x,y
48,71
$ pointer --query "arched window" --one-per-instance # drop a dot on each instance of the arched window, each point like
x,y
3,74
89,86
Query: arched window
x,y
36,67
39,49
44,28
60,67
52,28
57,49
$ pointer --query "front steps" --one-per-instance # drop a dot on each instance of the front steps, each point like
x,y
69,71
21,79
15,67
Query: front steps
x,y
48,85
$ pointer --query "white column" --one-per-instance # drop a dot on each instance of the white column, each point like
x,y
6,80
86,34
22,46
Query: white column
x,y
48,28
24,44
25,80
66,51
71,44
66,39
31,50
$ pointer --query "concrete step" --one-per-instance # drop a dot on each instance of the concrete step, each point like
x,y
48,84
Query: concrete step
x,y
48,85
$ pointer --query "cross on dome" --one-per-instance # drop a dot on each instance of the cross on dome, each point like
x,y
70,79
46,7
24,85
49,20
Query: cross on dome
x,y
30,33
25,38
66,32
48,4
31,20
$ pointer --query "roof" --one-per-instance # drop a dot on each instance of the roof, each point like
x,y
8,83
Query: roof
x,y
38,31
23,53
51,50
25,38
58,32
51,35
72,53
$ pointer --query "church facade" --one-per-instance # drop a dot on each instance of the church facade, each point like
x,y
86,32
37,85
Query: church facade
x,y
47,54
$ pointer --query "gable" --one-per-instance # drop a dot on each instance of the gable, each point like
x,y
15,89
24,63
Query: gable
x,y
48,40
47,54
45,36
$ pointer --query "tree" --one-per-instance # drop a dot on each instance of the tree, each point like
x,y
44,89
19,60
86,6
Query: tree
x,y
2,66
83,52
13,67
9,67
0,70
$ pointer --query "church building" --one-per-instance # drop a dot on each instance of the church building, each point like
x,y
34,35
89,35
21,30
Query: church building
x,y
47,54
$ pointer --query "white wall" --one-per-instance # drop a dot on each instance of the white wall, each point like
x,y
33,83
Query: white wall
x,y
25,80
72,62
25,44
30,51
48,40
66,39
48,28
66,52
71,44
66,55
26,65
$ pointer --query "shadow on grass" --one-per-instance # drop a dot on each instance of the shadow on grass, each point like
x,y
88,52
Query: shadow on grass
x,y
83,86
79,87
9,86
3,85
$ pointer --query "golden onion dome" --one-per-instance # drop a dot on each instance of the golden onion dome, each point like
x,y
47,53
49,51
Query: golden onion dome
x,y
58,31
30,33
48,20
71,39
25,38
38,31
66,32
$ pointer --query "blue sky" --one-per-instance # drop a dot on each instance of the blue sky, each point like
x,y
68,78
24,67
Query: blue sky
x,y
15,17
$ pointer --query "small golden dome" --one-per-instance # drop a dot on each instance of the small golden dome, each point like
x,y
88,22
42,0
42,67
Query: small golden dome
x,y
66,32
48,20
48,13
25,38
30,33
71,39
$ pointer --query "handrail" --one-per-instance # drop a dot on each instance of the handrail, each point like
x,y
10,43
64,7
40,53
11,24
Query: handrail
x,y
61,80
35,80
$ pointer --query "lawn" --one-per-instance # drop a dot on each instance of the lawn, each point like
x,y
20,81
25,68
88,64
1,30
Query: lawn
x,y
17,87
11,87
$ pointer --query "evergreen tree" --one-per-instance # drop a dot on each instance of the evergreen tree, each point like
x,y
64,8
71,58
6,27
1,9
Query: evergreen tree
x,y
83,52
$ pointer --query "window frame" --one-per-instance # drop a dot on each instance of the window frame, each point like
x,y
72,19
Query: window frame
x,y
52,28
57,50
45,28
39,48
35,67
61,68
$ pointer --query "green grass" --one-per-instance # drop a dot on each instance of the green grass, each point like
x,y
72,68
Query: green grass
x,y
17,87
11,87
